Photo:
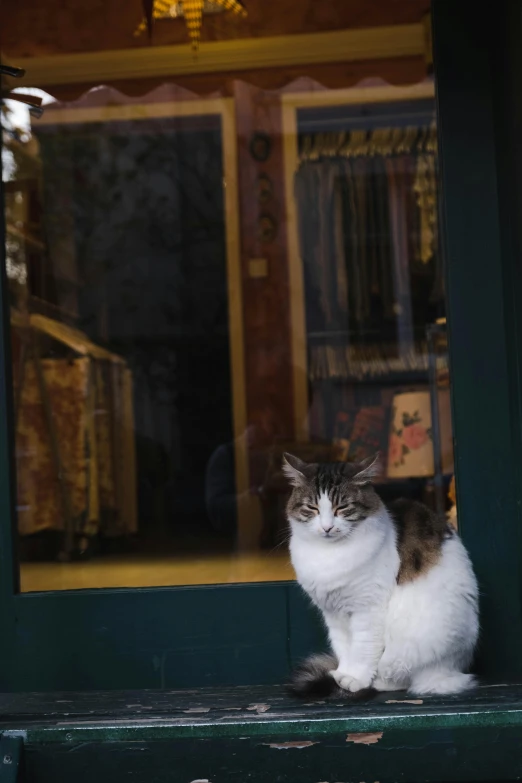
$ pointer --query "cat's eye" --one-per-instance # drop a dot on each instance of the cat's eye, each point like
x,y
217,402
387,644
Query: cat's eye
x,y
341,508
313,509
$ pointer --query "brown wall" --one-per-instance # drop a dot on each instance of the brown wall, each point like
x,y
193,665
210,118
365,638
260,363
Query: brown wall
x,y
37,27
265,300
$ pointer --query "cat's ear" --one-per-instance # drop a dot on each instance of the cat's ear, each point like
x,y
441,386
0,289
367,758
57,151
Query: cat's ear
x,y
294,468
369,468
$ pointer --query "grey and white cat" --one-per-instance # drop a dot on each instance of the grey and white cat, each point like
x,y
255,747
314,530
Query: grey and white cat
x,y
394,584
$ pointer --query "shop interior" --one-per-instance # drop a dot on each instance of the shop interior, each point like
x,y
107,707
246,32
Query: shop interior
x,y
206,271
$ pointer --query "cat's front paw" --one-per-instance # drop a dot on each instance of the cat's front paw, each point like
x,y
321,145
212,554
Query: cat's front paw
x,y
350,683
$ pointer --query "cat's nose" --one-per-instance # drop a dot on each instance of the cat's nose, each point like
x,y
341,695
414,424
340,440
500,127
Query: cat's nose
x,y
327,526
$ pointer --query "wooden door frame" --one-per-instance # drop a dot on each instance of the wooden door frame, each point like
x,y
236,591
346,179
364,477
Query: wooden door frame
x,y
291,103
224,108
479,100
244,634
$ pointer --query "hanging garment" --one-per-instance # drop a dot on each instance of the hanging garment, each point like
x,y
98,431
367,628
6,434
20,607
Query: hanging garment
x,y
317,191
77,410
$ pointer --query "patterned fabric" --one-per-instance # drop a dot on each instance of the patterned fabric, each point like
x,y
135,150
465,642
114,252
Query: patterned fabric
x,y
93,425
39,501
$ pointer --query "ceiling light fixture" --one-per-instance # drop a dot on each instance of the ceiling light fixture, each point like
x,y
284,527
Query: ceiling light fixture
x,y
191,10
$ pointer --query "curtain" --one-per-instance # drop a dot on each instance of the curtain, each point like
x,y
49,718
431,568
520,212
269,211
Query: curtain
x,y
367,220
318,197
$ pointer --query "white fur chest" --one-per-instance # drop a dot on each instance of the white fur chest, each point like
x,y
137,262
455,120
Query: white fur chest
x,y
323,571
349,575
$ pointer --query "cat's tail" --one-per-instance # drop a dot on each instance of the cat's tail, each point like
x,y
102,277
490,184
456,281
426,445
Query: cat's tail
x,y
312,677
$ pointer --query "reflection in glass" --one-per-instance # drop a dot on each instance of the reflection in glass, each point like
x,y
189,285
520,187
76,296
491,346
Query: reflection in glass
x,y
188,303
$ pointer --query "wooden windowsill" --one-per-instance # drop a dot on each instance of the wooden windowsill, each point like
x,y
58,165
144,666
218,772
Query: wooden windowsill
x,y
232,734
245,710
253,710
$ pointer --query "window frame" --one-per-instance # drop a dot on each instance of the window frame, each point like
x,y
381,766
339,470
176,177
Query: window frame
x,y
474,54
243,634
225,110
291,103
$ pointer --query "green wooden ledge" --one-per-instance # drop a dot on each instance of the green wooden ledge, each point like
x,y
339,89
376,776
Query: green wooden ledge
x,y
259,734
244,711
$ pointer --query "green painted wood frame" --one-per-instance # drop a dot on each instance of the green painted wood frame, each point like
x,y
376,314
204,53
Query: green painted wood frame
x,y
215,735
243,634
475,58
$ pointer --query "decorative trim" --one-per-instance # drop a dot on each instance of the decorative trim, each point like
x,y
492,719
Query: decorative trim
x,y
372,43
376,92
260,147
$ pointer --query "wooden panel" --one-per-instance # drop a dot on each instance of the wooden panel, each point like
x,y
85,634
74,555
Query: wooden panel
x,y
259,734
434,755
163,638
431,755
307,629
11,749
38,27
255,711
265,300
483,346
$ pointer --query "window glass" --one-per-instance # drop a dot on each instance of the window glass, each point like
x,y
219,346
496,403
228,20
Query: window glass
x,y
210,268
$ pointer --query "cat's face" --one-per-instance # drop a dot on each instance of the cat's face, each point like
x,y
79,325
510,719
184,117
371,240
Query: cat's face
x,y
329,500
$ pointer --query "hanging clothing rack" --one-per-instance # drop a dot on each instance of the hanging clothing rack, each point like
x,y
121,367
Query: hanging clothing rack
x,y
106,427
369,143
